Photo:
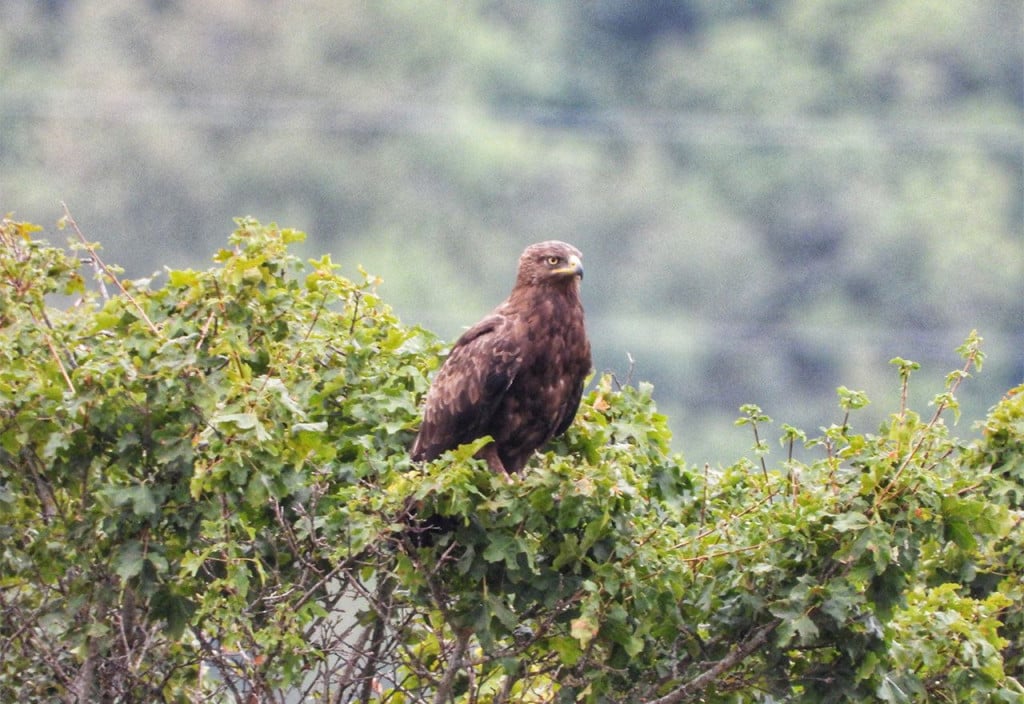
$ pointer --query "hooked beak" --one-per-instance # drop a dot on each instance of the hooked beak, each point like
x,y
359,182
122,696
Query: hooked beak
x,y
573,267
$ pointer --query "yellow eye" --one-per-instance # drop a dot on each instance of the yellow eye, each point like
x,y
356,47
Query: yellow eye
x,y
553,260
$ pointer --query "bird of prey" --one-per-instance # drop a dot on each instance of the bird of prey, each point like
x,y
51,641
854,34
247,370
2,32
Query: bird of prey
x,y
518,374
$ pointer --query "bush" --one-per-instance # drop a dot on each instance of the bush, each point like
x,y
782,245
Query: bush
x,y
206,496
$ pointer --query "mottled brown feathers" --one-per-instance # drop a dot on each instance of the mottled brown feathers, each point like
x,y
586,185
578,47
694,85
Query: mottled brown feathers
x,y
518,374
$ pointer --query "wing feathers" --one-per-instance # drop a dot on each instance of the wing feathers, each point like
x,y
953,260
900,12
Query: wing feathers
x,y
468,389
518,374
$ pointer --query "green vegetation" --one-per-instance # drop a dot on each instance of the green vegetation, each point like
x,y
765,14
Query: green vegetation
x,y
205,495
774,198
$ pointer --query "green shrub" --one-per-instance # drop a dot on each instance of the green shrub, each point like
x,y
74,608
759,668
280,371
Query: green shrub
x,y
206,495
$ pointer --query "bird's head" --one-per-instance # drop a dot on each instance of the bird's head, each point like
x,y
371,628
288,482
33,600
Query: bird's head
x,y
550,262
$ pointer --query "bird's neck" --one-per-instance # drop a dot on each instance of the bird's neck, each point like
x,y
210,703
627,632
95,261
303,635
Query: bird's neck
x,y
531,296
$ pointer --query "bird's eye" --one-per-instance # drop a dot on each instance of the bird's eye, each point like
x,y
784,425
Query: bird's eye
x,y
553,260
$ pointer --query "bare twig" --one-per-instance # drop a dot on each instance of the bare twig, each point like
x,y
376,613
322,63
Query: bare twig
x,y
100,277
358,298
704,501
205,329
444,687
60,363
757,444
44,490
904,394
723,523
736,656
383,606
630,370
346,678
312,325
506,688
620,385
726,553
105,269
890,488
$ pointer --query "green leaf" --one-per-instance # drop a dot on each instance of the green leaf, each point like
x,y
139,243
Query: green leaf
x,y
851,400
468,450
568,553
593,532
851,521
174,609
584,629
633,645
143,502
243,421
568,649
239,579
806,628
502,547
898,690
505,616
182,278
129,560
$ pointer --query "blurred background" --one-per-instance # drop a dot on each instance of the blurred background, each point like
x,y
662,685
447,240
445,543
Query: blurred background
x,y
773,198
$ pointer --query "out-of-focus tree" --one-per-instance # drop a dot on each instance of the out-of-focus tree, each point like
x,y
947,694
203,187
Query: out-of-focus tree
x,y
758,187
206,496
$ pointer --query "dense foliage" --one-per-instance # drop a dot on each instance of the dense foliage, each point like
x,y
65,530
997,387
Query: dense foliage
x,y
773,197
205,495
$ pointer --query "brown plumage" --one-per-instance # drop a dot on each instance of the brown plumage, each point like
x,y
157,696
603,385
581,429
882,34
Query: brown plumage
x,y
518,374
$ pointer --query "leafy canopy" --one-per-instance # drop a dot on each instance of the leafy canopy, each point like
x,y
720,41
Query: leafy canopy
x,y
206,495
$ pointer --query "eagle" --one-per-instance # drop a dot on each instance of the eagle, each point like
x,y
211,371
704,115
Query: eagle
x,y
518,374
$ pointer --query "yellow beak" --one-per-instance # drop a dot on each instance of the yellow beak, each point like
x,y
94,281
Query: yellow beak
x,y
573,267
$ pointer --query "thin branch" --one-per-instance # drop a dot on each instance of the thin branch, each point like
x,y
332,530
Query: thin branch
x,y
757,444
106,270
444,687
723,523
704,501
735,657
299,348
383,607
358,296
213,654
44,490
44,320
205,329
904,395
506,688
630,370
346,679
726,553
890,488
98,273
